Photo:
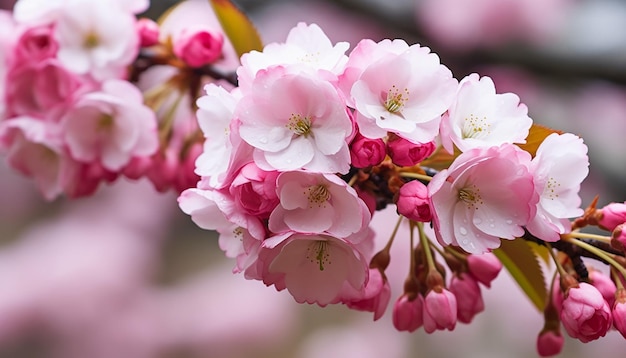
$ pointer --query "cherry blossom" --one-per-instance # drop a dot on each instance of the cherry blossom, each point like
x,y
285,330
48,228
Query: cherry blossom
x,y
315,267
405,94
111,125
485,195
317,203
306,46
558,168
481,118
295,121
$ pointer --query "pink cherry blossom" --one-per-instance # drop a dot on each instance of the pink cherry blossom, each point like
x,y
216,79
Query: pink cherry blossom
x,y
413,201
375,297
364,54
35,150
469,299
317,203
295,121
585,315
481,118
619,311
405,94
96,38
408,314
485,195
198,46
560,165
306,46
440,310
315,267
224,150
35,44
254,190
148,31
111,125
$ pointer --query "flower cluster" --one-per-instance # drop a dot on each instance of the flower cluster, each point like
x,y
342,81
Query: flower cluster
x,y
82,101
290,151
313,142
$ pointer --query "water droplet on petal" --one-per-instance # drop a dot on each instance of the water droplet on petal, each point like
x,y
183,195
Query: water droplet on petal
x,y
477,221
492,225
465,242
509,221
263,140
463,230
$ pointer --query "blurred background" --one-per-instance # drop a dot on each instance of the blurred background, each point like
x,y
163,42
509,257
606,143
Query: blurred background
x,y
126,274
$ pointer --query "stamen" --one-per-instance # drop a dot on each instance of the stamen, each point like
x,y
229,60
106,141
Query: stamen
x,y
471,196
475,127
551,187
319,195
320,252
299,125
91,40
395,100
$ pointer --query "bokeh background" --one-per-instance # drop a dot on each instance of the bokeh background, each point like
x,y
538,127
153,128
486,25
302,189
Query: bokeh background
x,y
126,274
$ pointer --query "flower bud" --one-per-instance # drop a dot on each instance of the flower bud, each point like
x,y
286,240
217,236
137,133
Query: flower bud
x,y
619,311
198,47
549,343
440,309
469,299
485,268
148,31
618,238
407,314
612,215
604,284
406,153
413,201
585,315
365,152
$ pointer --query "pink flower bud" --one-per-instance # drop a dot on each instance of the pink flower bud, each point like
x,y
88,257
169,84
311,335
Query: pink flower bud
x,y
407,314
619,312
365,152
485,268
198,47
612,215
549,343
618,238
439,310
585,315
604,284
148,31
413,201
137,167
469,300
406,153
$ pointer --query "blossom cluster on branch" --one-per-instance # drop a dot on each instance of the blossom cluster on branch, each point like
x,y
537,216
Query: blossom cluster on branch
x,y
289,153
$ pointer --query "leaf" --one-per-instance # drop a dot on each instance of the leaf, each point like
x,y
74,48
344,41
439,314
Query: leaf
x,y
536,135
518,258
541,251
237,27
440,159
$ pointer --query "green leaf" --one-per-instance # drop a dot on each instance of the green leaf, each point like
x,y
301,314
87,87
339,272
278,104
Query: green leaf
x,y
237,27
521,262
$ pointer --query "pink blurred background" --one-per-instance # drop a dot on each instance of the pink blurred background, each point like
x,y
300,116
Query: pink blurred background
x,y
126,274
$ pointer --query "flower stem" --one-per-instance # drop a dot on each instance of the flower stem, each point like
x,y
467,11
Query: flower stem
x,y
426,245
603,255
584,235
415,176
559,267
393,233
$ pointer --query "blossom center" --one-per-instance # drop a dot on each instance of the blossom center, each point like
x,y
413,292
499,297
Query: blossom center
x,y
318,195
299,125
92,40
105,122
551,186
471,196
396,99
318,252
475,127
